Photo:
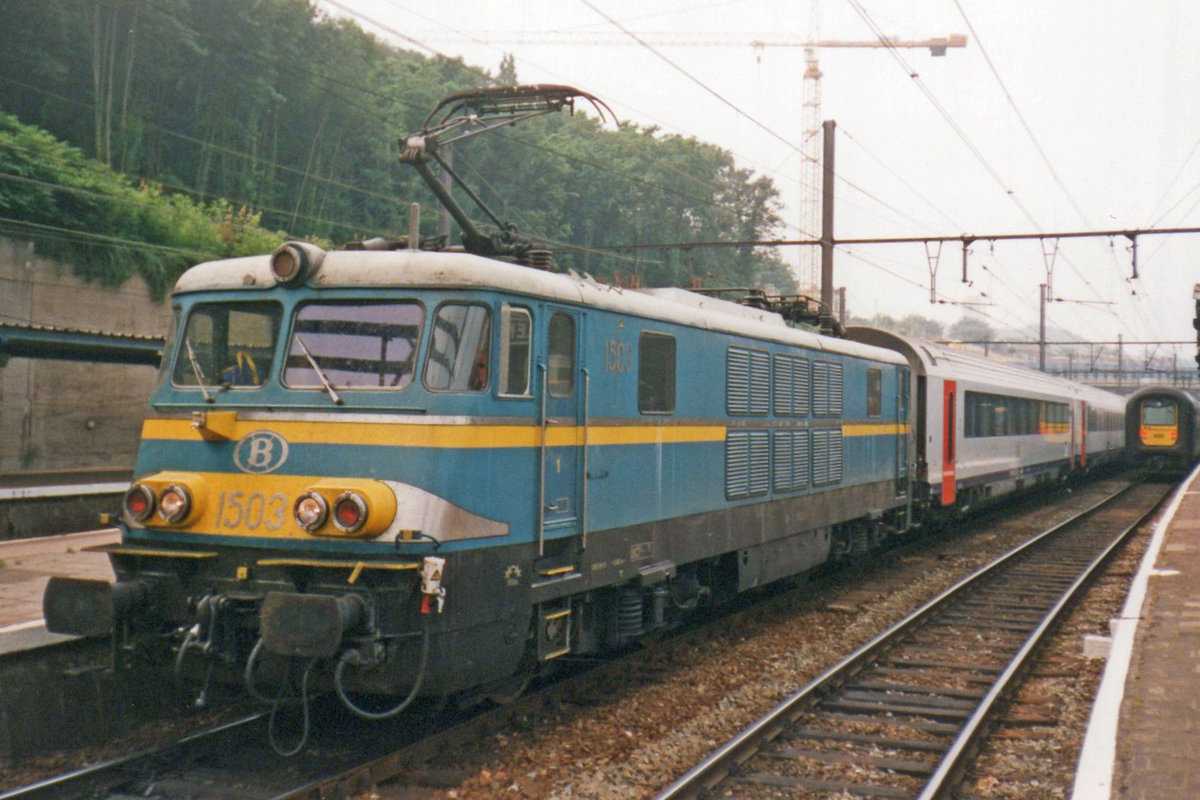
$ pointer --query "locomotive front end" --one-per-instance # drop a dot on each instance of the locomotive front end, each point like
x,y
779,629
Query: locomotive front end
x,y
295,499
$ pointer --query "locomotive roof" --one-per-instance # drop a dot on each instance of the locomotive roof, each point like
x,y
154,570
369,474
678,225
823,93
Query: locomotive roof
x,y
419,269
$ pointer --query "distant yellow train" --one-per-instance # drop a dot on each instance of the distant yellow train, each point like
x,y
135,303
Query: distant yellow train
x,y
1161,428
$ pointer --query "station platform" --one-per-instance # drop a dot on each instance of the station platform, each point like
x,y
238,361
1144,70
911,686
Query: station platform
x,y
1143,739
45,503
26,566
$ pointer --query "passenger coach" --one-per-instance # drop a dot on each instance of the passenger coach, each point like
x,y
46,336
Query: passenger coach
x,y
985,428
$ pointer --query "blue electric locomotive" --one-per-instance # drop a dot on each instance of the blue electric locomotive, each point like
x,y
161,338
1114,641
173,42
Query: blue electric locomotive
x,y
432,472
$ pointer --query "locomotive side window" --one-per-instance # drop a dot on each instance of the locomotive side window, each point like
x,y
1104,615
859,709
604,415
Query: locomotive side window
x,y
656,373
874,392
353,345
560,362
228,345
460,347
515,327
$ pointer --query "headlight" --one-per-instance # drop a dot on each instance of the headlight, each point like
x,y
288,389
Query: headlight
x,y
293,262
350,512
311,510
175,504
139,502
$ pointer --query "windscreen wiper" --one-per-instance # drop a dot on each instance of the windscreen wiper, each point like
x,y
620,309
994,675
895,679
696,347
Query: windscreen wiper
x,y
333,395
191,354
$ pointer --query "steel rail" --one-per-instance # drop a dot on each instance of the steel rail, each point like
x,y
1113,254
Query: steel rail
x,y
83,782
718,766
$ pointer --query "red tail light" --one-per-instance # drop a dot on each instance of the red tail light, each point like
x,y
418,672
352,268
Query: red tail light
x,y
139,502
350,512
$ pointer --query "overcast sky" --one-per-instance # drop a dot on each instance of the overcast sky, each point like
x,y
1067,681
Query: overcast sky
x,y
1110,91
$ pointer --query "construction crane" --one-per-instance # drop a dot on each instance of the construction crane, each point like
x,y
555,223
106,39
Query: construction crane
x,y
808,275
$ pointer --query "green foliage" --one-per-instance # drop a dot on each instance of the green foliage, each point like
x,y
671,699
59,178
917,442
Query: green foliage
x,y
277,108
909,325
971,329
108,228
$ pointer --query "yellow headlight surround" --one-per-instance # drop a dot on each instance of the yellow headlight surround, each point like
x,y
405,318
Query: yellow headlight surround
x,y
193,484
380,505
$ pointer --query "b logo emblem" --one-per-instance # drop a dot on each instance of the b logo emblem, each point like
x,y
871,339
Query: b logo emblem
x,y
260,451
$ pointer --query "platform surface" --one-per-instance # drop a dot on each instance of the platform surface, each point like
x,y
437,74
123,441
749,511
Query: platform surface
x,y
1143,740
26,565
1158,747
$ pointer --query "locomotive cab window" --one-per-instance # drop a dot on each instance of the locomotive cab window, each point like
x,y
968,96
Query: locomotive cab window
x,y
656,373
560,361
460,347
1158,412
353,345
513,369
229,345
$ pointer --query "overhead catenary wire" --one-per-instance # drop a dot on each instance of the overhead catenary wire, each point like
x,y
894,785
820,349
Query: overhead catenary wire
x,y
1024,122
958,130
1139,295
724,101
978,40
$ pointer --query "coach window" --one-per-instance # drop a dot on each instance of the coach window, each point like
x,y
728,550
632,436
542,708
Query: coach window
x,y
513,369
460,347
874,392
656,373
560,361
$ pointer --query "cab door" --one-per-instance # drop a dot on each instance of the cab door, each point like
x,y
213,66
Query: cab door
x,y
562,425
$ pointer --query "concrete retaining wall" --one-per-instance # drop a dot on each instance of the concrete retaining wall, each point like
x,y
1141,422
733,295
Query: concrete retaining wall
x,y
63,415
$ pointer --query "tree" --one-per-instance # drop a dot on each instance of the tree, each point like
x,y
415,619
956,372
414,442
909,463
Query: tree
x,y
295,115
508,71
916,325
969,329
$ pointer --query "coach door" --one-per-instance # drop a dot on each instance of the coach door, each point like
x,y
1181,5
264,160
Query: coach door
x,y
949,440
1083,415
902,416
562,404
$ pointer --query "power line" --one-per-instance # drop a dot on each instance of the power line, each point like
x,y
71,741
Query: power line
x,y
139,204
866,17
1021,117
897,176
688,75
1036,143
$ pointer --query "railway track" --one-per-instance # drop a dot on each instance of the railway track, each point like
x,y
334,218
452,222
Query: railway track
x,y
235,759
902,716
347,757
